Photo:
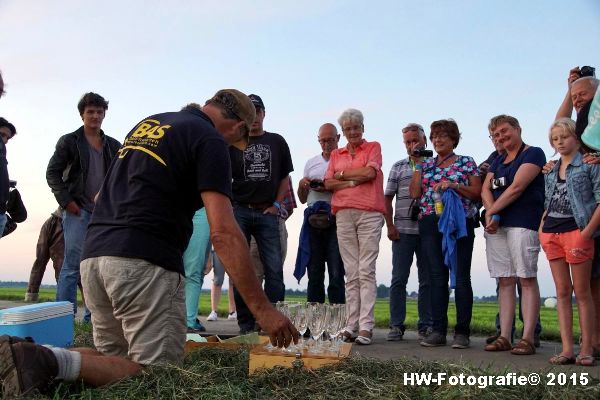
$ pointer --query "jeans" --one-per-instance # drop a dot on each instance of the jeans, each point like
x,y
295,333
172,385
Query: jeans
x,y
2,223
265,230
74,232
324,249
538,324
194,260
402,258
431,240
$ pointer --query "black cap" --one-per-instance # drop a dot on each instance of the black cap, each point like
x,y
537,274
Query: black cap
x,y
257,101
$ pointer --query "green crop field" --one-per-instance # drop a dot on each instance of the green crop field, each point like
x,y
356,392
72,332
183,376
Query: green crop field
x,y
482,323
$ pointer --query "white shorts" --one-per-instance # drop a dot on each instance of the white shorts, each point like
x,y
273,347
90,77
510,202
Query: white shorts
x,y
512,252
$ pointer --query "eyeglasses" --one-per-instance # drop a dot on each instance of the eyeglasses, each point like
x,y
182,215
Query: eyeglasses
x,y
441,135
352,128
497,134
327,141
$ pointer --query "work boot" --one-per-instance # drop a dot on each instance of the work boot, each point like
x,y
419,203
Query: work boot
x,y
25,367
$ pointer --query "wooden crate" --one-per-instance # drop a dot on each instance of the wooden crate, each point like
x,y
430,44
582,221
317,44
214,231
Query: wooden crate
x,y
215,341
261,358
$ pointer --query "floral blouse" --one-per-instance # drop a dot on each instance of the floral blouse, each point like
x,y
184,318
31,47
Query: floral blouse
x,y
457,172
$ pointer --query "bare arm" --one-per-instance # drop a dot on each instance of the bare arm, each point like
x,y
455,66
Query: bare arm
x,y
486,191
281,193
392,233
303,189
359,175
524,176
335,184
232,248
566,107
415,185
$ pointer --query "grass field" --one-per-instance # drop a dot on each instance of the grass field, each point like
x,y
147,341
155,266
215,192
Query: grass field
x,y
482,323
223,374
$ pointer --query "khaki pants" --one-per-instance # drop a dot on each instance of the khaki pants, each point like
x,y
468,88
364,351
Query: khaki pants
x,y
358,235
138,309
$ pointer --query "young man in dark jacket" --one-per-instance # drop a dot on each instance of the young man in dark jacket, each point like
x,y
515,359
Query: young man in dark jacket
x,y
75,173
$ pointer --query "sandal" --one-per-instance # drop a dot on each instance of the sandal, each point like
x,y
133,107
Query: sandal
x,y
585,361
500,344
559,359
523,348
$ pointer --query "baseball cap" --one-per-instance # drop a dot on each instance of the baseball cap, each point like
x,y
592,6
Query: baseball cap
x,y
241,106
412,127
257,101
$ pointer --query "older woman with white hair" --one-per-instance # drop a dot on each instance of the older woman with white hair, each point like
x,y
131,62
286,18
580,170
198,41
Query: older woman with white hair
x,y
354,175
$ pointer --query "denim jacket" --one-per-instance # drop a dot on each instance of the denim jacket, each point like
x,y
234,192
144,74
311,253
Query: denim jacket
x,y
583,188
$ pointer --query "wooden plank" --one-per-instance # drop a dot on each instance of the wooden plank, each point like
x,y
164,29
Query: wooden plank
x,y
260,358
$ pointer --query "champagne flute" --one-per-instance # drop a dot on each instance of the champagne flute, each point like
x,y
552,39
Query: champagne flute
x,y
318,318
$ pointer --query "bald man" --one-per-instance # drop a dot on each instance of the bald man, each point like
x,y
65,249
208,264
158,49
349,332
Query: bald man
x,y
322,240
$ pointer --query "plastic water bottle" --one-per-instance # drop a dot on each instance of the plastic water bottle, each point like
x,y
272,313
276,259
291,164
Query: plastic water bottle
x,y
437,203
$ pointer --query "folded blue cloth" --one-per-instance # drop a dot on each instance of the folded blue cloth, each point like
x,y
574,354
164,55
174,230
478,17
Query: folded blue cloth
x,y
453,226
303,256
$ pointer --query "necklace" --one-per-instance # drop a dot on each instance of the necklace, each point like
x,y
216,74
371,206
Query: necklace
x,y
437,164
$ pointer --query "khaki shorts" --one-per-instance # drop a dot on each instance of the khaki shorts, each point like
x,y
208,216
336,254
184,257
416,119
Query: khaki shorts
x,y
138,309
512,252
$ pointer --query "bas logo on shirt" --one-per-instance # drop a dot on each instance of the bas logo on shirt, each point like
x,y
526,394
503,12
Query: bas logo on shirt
x,y
145,138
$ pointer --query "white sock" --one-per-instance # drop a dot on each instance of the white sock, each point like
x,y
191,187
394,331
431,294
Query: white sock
x,y
69,364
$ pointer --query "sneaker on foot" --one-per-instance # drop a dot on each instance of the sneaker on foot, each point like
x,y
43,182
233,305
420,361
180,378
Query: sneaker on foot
x,y
423,333
460,341
364,338
232,316
212,316
434,339
395,334
25,367
197,328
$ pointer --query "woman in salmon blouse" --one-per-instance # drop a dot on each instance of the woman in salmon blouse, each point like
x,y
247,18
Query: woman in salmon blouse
x,y
354,175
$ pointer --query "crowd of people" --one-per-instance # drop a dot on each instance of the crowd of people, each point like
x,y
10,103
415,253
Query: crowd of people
x,y
138,221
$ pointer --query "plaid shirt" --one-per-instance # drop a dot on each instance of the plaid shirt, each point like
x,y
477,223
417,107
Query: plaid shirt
x,y
397,185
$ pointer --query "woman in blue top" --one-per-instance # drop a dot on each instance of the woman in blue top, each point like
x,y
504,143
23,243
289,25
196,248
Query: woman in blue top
x,y
513,196
570,223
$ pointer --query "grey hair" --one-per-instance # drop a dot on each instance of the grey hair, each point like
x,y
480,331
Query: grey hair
x,y
351,114
594,82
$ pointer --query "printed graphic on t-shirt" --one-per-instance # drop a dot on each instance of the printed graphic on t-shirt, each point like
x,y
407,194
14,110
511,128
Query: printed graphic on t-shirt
x,y
145,138
560,206
257,162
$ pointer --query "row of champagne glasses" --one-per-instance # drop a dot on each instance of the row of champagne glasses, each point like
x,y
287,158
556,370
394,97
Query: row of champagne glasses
x,y
322,320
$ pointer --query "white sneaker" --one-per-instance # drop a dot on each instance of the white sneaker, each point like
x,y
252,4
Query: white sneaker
x,y
212,316
232,316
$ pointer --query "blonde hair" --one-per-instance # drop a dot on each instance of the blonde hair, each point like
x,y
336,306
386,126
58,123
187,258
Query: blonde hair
x,y
567,125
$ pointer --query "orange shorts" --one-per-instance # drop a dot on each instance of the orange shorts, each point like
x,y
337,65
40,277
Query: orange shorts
x,y
568,245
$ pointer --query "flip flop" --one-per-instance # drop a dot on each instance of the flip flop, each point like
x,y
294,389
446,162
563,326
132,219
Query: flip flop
x,y
559,359
585,361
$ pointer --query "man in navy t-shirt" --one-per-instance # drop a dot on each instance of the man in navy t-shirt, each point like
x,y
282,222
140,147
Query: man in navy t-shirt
x,y
169,166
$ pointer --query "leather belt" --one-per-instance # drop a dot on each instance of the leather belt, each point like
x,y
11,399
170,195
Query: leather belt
x,y
254,206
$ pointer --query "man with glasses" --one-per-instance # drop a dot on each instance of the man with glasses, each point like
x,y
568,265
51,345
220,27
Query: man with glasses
x,y
170,165
260,185
322,245
403,231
